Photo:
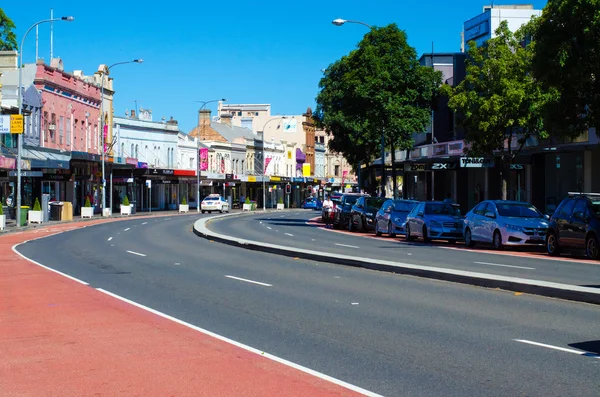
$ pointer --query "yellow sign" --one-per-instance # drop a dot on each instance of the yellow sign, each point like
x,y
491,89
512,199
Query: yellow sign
x,y
251,179
305,169
289,154
16,123
275,178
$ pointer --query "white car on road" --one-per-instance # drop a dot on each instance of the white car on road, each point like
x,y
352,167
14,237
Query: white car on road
x,y
214,202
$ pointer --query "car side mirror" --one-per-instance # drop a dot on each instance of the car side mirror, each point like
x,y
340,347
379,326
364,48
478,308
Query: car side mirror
x,y
490,214
388,210
547,216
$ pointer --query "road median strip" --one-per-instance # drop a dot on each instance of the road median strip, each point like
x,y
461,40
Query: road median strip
x,y
515,284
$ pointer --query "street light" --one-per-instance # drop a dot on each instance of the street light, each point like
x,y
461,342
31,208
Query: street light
x,y
264,169
105,71
340,22
20,99
204,103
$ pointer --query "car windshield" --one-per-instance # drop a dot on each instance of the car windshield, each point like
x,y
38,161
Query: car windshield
x,y
352,199
441,209
211,198
375,202
404,206
596,208
518,210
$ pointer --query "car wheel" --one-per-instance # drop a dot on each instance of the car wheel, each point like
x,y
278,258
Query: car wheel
x,y
221,210
390,228
552,246
361,226
350,228
203,211
498,240
591,247
425,236
408,236
377,232
468,238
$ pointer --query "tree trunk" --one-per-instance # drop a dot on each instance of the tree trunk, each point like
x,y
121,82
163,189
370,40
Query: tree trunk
x,y
505,177
383,178
394,183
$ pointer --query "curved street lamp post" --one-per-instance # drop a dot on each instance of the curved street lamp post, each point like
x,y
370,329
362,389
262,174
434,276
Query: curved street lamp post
x,y
20,103
106,71
264,168
204,103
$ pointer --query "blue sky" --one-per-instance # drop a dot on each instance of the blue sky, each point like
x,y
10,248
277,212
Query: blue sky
x,y
248,52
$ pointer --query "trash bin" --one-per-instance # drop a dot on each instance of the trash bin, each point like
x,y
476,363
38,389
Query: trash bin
x,y
56,211
24,211
133,205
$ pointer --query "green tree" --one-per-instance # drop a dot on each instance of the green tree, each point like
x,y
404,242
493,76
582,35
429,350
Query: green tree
x,y
567,62
8,39
499,102
379,87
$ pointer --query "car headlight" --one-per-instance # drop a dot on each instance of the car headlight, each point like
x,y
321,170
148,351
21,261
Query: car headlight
x,y
514,228
398,220
435,224
368,213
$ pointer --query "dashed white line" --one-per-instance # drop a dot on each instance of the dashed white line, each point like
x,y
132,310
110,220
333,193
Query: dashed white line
x,y
135,253
249,281
269,227
497,264
110,238
289,234
562,349
144,223
127,229
346,245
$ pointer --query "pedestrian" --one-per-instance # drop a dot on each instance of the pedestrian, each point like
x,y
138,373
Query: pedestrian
x,y
328,209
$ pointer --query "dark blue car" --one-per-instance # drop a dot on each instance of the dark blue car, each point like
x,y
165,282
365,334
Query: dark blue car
x,y
312,203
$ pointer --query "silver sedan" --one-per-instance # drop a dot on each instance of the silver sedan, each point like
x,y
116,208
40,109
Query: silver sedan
x,y
505,223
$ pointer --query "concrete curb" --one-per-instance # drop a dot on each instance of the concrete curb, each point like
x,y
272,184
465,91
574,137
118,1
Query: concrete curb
x,y
529,286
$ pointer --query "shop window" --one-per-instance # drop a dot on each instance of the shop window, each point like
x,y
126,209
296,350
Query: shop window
x,y
337,170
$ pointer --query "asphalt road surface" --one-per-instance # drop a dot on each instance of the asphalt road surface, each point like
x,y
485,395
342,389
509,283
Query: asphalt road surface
x,y
390,334
290,229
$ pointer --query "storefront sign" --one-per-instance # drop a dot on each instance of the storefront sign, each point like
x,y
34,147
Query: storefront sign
x,y
7,162
251,178
206,183
119,160
132,161
444,166
275,179
26,173
160,171
56,177
230,177
300,180
184,173
476,162
414,167
517,167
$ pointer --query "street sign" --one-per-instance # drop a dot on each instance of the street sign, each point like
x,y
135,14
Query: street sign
x,y
16,123
5,124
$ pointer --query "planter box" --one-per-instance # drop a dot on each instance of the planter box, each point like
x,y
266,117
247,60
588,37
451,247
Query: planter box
x,y
107,212
87,212
184,208
34,217
125,209
2,222
248,207
280,206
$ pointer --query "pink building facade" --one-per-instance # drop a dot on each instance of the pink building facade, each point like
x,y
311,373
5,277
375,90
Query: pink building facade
x,y
70,110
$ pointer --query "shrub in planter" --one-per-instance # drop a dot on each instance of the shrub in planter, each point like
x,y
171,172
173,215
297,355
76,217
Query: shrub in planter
x,y
87,202
126,201
184,201
1,210
280,201
247,201
36,205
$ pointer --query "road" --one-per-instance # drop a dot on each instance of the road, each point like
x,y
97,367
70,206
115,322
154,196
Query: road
x,y
390,334
291,229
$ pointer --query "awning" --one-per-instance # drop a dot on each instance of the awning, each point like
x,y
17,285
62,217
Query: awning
x,y
41,158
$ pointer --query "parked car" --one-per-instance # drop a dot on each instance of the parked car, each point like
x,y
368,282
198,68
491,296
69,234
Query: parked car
x,y
435,220
312,203
576,224
214,202
391,217
342,213
504,223
362,213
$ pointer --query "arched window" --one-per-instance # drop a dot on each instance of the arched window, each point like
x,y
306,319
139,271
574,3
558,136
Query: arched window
x,y
136,152
122,150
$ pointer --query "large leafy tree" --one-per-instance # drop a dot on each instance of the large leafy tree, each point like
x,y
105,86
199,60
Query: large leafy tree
x,y
378,89
8,39
499,101
567,62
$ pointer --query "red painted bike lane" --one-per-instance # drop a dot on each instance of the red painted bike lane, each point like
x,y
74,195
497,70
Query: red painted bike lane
x,y
60,337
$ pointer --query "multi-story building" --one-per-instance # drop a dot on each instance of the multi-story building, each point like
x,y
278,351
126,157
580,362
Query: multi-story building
x,y
337,171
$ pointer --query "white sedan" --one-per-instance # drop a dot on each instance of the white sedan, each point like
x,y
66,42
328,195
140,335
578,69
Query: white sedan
x,y
214,202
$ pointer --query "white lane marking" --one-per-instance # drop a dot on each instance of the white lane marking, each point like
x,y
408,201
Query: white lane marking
x,y
135,253
408,253
14,248
313,239
269,227
562,349
246,347
249,281
346,245
289,234
354,303
127,229
144,223
110,238
260,222
496,264
177,263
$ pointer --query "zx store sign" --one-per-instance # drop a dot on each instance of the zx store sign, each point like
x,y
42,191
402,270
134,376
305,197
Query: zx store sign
x,y
416,167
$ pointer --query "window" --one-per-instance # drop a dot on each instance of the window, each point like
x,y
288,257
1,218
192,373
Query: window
x,y
68,131
480,209
122,150
337,170
53,127
191,163
580,208
136,152
256,114
239,113
75,133
567,209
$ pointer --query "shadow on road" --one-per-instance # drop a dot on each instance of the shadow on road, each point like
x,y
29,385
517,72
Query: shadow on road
x,y
592,346
283,220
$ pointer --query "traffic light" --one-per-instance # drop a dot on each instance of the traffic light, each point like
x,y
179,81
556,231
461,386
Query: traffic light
x,y
288,189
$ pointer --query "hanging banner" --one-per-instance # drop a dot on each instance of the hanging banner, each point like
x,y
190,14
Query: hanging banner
x,y
306,169
267,162
203,159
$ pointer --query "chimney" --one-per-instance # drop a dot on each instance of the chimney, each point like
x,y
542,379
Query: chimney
x,y
226,118
132,113
204,117
172,121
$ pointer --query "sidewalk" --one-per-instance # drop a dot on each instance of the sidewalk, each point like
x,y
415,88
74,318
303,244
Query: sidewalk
x,y
62,338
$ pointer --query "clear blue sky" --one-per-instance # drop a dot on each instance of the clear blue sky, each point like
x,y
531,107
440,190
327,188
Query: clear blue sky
x,y
248,52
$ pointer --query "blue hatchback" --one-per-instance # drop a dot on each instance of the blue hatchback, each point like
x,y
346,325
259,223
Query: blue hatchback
x,y
312,204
